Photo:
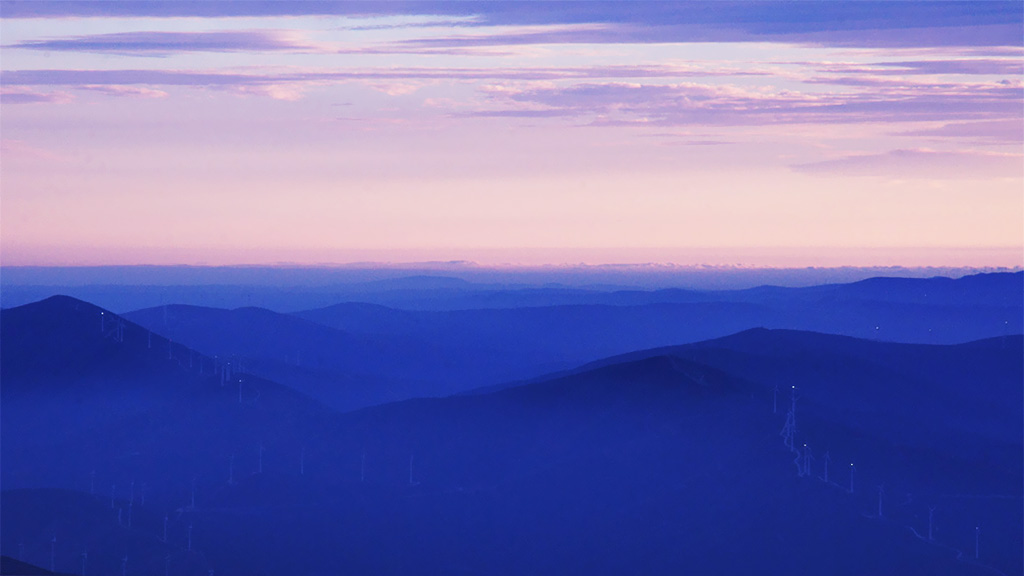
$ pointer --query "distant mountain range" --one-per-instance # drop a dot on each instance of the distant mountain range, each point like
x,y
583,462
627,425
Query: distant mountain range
x,y
357,354
663,461
281,291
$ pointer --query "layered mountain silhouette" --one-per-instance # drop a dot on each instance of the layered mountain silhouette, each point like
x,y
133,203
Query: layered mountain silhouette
x,y
356,354
663,461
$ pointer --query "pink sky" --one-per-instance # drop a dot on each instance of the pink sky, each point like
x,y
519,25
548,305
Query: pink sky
x,y
329,138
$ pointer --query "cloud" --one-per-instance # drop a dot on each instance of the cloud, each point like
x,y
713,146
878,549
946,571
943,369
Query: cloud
x,y
824,23
21,95
23,151
199,78
164,43
624,103
991,132
916,164
965,66
130,91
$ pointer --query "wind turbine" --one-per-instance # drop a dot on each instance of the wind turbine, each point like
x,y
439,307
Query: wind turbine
x,y
85,558
931,517
881,492
977,535
124,565
789,430
827,460
53,553
807,461
165,528
189,536
852,470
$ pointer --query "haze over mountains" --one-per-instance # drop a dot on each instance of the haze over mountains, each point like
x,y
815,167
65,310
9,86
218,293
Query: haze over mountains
x,y
660,461
358,354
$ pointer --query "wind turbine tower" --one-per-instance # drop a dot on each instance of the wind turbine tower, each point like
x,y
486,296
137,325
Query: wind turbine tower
x,y
881,492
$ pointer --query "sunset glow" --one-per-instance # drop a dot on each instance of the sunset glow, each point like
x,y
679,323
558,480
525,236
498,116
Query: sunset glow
x,y
512,134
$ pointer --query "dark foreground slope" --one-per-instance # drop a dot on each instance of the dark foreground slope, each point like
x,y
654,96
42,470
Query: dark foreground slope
x,y
660,464
963,399
99,405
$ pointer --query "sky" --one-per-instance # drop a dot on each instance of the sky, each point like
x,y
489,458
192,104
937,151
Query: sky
x,y
811,133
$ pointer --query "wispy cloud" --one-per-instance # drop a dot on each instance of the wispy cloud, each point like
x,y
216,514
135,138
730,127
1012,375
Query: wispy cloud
x,y
703,104
125,91
964,66
23,151
165,43
23,95
991,132
642,95
203,78
824,23
927,164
